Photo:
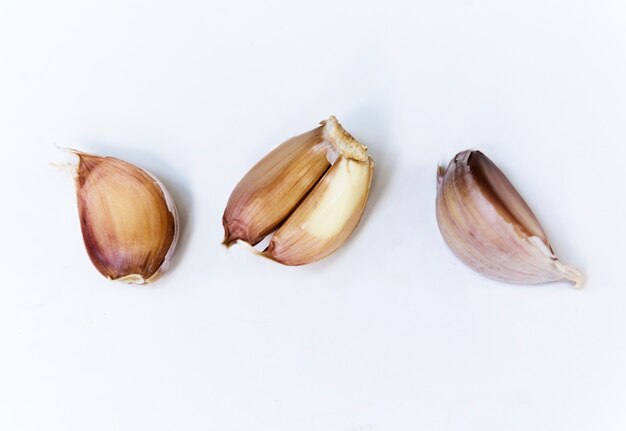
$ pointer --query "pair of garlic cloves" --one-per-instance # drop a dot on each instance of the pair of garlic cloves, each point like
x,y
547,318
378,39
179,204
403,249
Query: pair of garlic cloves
x,y
488,225
310,192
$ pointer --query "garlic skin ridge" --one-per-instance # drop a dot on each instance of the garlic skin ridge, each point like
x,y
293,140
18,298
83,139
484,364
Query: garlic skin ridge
x,y
171,206
490,228
129,220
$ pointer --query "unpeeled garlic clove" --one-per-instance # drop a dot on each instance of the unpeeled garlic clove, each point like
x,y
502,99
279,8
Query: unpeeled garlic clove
x,y
489,226
267,194
333,175
327,217
128,219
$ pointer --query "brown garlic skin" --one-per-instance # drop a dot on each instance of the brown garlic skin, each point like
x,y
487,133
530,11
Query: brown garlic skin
x,y
128,219
273,187
489,226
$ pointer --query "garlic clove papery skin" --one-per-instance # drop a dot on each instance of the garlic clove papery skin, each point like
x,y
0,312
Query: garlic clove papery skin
x,y
327,217
489,226
128,219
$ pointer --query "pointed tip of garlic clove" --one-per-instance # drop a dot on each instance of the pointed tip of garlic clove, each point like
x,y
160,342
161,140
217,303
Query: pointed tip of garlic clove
x,y
236,231
70,167
575,277
560,271
229,241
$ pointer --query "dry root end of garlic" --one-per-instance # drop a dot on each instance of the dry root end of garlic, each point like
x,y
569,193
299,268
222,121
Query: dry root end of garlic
x,y
310,191
489,226
128,219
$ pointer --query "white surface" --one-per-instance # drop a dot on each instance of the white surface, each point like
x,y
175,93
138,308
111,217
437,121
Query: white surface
x,y
391,332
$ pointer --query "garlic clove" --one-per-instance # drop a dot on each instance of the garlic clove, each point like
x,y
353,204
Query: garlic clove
x,y
489,226
128,219
327,217
269,192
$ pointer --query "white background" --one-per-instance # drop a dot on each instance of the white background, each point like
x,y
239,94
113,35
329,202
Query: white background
x,y
389,333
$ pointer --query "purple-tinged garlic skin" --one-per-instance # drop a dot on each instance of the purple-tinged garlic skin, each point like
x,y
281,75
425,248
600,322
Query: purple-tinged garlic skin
x,y
128,219
489,226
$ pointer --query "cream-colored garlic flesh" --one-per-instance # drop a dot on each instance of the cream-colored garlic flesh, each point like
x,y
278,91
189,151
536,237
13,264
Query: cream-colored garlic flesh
x,y
344,195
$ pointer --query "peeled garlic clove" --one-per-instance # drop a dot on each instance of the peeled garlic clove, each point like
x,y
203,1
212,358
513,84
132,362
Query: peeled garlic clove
x,y
128,219
489,226
269,192
327,217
